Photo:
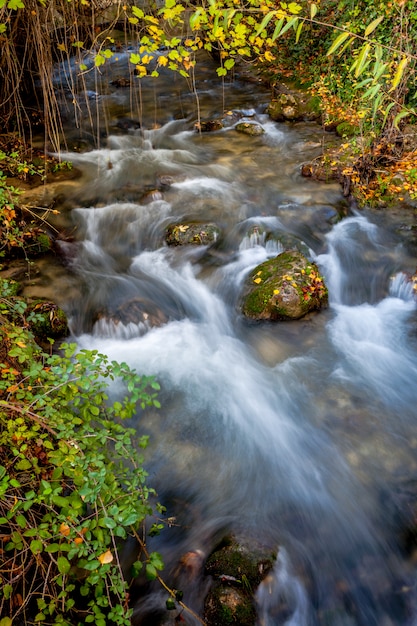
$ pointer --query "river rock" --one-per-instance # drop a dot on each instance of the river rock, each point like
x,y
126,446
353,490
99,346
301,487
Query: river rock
x,y
192,233
208,126
137,311
286,287
292,106
47,321
236,567
253,129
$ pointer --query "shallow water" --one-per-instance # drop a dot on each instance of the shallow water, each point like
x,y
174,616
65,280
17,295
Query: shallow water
x,y
299,434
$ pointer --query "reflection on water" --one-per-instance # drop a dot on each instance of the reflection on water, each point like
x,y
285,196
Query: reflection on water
x,y
296,433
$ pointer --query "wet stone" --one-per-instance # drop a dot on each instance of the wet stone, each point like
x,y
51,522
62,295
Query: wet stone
x,y
253,129
284,288
192,234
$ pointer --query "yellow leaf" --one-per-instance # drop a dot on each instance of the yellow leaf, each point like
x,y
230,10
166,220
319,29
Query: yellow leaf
x,y
61,46
21,344
106,557
141,71
162,61
257,280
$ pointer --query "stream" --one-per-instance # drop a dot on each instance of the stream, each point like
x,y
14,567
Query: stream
x,y
301,434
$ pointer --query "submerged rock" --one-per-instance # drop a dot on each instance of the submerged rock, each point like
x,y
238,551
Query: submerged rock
x,y
284,288
137,314
192,233
237,567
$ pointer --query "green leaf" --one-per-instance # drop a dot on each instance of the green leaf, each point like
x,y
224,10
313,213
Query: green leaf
x,y
360,63
298,33
64,565
291,23
221,71
137,11
400,116
229,63
99,60
36,546
313,10
151,572
264,22
6,621
156,560
15,4
135,58
23,464
277,30
21,520
371,27
338,42
136,568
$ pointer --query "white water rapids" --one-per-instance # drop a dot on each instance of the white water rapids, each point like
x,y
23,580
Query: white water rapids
x,y
299,434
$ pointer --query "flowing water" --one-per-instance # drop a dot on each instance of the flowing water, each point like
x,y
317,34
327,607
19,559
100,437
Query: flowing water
x,y
300,435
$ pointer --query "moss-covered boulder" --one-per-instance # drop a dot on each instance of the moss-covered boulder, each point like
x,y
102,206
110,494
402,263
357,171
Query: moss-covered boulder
x,y
236,567
286,287
47,321
192,234
293,106
253,129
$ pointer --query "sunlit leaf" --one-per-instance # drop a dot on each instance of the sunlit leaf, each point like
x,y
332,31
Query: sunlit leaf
x,y
106,557
399,73
338,42
370,29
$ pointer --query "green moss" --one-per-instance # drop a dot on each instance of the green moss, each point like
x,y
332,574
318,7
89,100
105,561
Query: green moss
x,y
47,320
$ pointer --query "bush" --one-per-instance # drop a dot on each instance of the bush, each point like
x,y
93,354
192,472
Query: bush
x,y
72,484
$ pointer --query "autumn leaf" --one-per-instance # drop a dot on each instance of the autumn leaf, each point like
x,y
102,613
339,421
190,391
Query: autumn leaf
x,y
64,529
106,557
257,280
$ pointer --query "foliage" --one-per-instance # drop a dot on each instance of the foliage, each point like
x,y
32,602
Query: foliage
x,y
72,483
20,231
11,234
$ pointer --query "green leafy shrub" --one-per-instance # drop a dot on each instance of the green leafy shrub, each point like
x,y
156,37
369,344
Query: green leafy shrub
x,y
72,484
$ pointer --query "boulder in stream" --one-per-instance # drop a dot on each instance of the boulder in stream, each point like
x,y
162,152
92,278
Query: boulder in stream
x,y
236,567
292,106
192,233
253,129
286,287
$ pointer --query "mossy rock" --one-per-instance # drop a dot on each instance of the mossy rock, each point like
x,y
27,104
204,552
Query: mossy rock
x,y
237,567
293,107
286,287
345,129
192,234
253,129
47,320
